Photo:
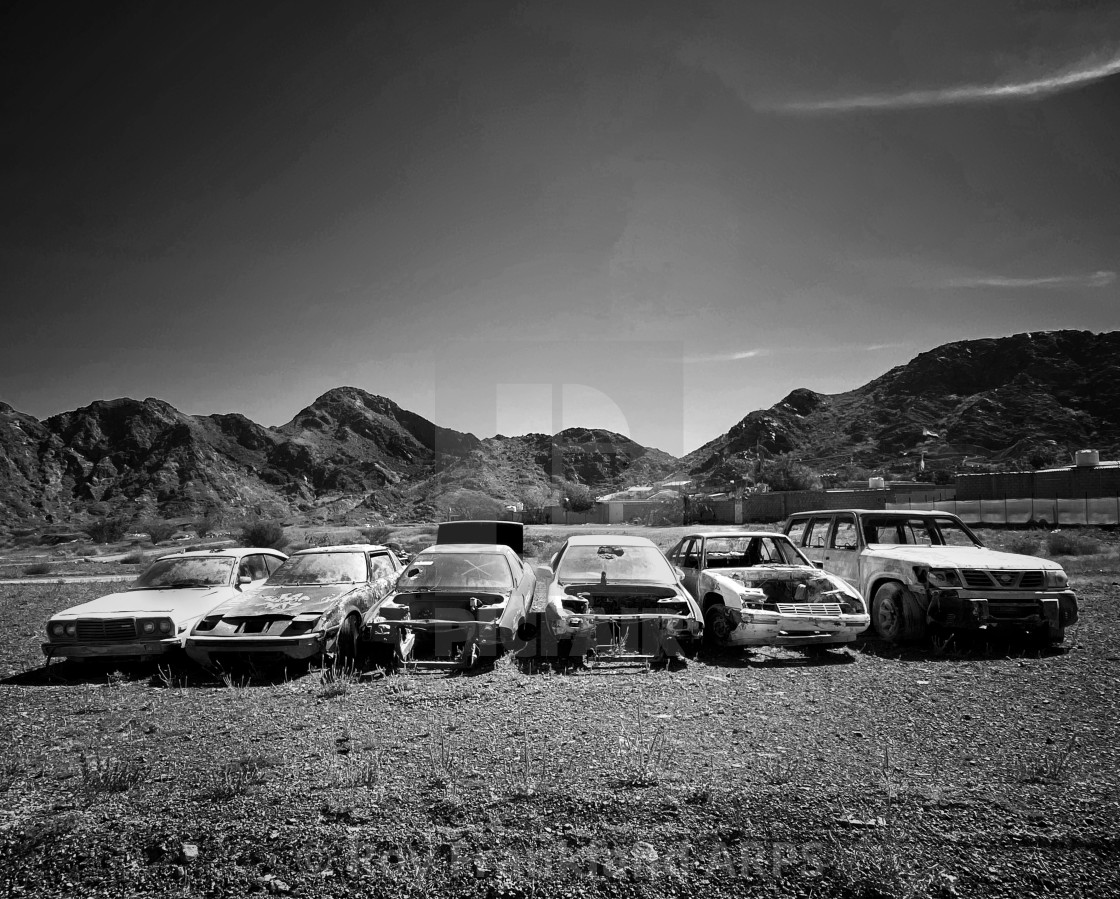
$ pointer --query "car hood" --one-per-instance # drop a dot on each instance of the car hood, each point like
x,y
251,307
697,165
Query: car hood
x,y
296,600
178,601
960,557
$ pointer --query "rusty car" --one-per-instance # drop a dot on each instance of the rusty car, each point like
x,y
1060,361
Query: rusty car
x,y
610,595
757,589
311,608
457,602
922,572
154,615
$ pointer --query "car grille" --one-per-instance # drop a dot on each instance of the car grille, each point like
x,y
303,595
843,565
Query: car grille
x,y
97,630
809,608
977,579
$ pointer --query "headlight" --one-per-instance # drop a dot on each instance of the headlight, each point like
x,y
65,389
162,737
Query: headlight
x,y
55,628
71,629
943,577
148,627
1056,578
165,626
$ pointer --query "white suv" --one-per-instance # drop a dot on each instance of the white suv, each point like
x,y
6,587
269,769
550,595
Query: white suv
x,y
923,570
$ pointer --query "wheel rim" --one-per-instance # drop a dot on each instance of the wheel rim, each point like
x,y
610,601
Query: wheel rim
x,y
718,624
888,617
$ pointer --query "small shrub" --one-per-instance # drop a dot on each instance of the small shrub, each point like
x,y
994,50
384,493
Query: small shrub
x,y
134,558
38,568
159,531
206,525
109,775
377,535
1024,545
1060,544
268,534
107,530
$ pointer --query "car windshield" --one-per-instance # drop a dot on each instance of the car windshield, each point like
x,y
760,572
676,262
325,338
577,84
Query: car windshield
x,y
620,564
744,552
469,571
193,571
919,531
320,568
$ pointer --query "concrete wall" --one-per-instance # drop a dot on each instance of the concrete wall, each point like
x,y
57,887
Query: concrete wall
x,y
1064,483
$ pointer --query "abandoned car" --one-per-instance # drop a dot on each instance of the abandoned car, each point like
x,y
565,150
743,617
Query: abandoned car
x,y
612,594
757,589
310,608
924,570
458,601
154,615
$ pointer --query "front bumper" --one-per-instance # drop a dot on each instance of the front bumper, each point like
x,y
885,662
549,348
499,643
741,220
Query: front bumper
x,y
784,628
1011,610
452,630
304,646
130,649
574,624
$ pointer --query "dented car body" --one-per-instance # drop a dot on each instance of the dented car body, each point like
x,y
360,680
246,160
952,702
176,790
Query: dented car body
x,y
310,608
757,589
454,602
920,571
155,614
612,593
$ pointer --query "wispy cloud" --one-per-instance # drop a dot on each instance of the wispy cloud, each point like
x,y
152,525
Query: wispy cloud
x,y
726,357
1083,72
1093,279
786,350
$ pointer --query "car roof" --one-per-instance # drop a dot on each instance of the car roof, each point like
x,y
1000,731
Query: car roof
x,y
893,513
496,549
236,551
612,539
342,547
707,534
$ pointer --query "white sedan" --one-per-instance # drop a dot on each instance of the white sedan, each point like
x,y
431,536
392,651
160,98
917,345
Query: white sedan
x,y
155,614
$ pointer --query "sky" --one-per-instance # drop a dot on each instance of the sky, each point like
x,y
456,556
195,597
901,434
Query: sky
x,y
653,217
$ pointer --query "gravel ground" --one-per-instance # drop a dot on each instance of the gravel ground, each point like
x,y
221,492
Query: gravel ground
x,y
980,771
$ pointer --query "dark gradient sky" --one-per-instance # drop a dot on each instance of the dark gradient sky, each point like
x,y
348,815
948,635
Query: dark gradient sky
x,y
652,217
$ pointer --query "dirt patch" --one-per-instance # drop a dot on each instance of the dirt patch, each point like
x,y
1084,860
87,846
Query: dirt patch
x,y
984,770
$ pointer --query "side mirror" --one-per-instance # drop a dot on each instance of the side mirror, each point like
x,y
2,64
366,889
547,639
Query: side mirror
x,y
244,579
819,564
679,571
544,572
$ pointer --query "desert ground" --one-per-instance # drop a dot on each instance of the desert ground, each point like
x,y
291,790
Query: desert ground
x,y
984,768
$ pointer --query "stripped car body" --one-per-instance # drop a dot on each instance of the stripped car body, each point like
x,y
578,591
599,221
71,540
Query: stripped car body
x,y
310,608
598,584
921,571
757,589
456,601
155,614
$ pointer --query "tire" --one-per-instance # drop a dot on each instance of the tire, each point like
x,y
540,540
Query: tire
x,y
895,614
717,626
348,643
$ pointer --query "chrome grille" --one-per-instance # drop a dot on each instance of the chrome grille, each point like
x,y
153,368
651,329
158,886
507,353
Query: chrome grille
x,y
95,630
809,608
976,579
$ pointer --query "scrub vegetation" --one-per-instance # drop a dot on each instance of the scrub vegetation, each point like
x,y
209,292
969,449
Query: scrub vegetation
x,y
988,770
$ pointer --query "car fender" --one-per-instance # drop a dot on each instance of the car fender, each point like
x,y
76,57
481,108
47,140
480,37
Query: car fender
x,y
724,586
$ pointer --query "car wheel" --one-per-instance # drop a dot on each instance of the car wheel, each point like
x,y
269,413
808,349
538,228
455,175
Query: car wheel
x,y
717,626
895,613
347,648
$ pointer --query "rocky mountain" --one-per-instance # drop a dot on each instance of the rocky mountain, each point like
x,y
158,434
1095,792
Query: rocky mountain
x,y
349,453
355,456
999,398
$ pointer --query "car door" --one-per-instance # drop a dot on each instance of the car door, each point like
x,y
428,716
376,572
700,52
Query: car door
x,y
816,539
688,560
842,552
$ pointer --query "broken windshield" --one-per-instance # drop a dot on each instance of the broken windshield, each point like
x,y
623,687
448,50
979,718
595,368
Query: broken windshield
x,y
622,564
194,571
321,568
464,571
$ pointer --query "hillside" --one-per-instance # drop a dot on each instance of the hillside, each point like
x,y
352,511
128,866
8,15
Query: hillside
x,y
355,456
1000,398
